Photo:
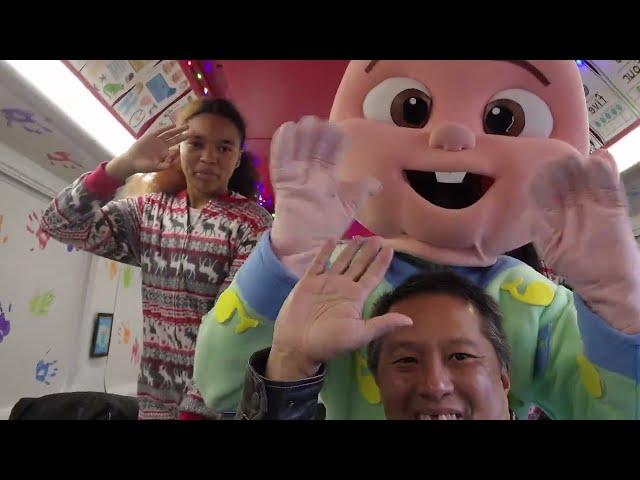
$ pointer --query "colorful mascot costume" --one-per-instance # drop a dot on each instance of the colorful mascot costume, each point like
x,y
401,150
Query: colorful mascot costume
x,y
454,163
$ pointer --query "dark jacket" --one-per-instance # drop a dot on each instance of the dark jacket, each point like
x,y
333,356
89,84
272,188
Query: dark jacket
x,y
264,399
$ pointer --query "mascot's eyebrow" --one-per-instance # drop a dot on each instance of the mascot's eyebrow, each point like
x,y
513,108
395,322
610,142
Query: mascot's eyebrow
x,y
529,67
370,66
520,63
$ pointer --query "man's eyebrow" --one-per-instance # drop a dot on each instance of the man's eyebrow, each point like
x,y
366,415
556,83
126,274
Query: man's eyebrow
x,y
462,341
391,345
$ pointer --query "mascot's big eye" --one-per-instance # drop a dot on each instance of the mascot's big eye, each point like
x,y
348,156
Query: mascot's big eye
x,y
517,113
400,101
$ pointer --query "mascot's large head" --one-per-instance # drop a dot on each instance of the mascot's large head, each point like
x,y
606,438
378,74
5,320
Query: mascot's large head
x,y
455,144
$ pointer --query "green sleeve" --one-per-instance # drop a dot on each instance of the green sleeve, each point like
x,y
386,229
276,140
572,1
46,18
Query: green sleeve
x,y
550,366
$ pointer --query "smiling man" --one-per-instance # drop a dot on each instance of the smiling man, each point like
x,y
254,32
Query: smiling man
x,y
452,363
439,351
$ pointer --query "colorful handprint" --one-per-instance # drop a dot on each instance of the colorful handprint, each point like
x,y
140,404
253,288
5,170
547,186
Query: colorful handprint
x,y
126,276
135,351
5,325
45,371
35,229
39,305
124,333
3,239
113,269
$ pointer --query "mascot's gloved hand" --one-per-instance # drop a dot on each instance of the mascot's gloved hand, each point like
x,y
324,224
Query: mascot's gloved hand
x,y
583,231
312,205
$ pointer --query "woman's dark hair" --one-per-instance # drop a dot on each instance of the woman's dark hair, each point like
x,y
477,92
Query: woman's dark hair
x,y
450,284
245,178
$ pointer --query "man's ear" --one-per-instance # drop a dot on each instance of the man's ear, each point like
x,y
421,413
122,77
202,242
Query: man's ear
x,y
506,380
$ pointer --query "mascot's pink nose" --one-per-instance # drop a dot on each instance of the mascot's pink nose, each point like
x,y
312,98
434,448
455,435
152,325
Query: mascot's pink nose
x,y
452,137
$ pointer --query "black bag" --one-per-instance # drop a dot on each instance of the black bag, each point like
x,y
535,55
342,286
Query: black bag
x,y
76,406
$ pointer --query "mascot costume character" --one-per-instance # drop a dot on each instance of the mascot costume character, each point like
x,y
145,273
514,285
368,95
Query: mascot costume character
x,y
454,163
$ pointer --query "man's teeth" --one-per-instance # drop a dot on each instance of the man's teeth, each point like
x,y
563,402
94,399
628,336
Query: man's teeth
x,y
443,416
450,177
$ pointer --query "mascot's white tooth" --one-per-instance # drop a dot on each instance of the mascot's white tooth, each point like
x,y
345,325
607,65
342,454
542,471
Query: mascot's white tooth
x,y
450,177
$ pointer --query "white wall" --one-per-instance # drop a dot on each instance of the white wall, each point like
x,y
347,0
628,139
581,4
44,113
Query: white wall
x,y
32,272
80,286
126,342
112,287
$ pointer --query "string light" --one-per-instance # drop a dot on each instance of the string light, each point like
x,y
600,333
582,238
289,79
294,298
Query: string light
x,y
195,70
263,201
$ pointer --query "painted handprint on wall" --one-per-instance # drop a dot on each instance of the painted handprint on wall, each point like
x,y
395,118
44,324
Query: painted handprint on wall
x,y
34,228
135,351
63,159
3,238
45,371
124,333
5,325
126,276
113,269
39,305
26,120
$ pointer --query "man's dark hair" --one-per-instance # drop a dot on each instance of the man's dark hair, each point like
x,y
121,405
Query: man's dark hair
x,y
458,287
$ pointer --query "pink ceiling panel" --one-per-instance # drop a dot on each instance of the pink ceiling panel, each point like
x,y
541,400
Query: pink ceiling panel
x,y
271,92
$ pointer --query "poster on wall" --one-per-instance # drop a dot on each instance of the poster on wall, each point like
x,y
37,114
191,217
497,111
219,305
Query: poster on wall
x,y
112,78
612,93
170,115
136,91
624,75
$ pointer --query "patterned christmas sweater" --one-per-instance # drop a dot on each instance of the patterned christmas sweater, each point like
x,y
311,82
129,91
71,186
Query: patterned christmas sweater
x,y
184,264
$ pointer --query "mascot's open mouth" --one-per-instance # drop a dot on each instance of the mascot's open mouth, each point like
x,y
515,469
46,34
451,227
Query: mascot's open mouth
x,y
453,190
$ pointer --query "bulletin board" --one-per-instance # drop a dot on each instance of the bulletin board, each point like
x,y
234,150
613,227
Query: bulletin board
x,y
141,94
612,92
